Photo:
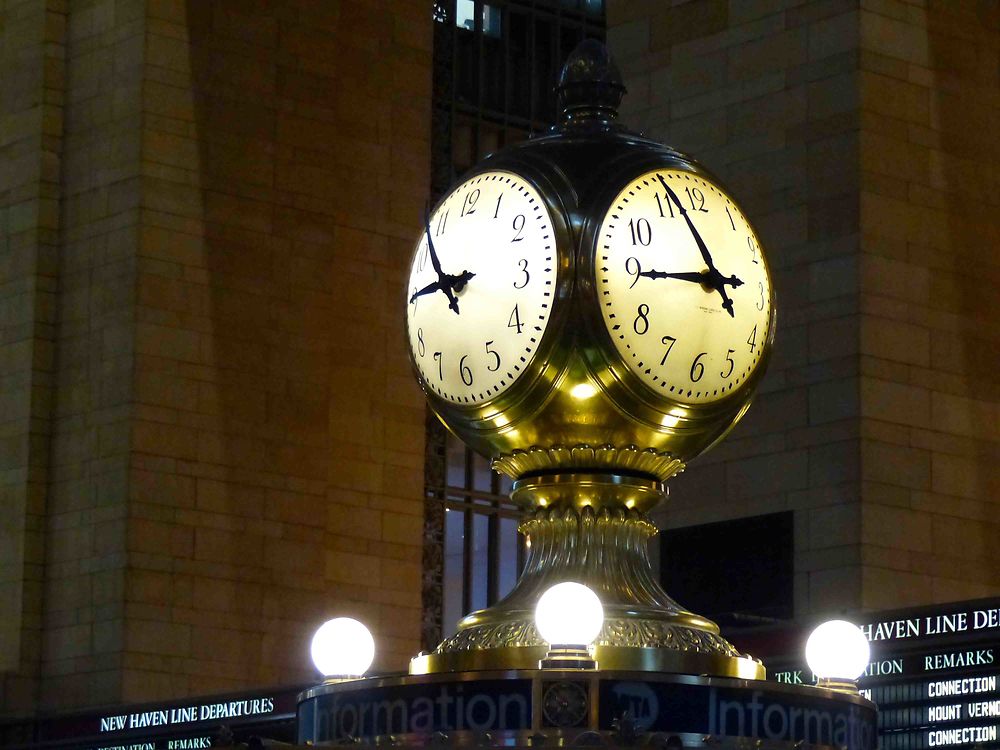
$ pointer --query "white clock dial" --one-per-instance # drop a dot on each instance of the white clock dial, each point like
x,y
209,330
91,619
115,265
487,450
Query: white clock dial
x,y
481,285
683,287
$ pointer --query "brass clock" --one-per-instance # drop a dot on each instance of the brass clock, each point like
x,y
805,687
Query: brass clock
x,y
589,299
481,288
591,310
683,287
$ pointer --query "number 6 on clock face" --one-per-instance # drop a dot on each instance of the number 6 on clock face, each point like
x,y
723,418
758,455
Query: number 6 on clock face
x,y
481,287
684,290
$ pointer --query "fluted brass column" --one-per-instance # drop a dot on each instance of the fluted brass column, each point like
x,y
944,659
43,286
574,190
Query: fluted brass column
x,y
591,528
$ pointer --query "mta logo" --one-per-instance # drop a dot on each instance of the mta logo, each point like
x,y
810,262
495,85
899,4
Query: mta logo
x,y
639,700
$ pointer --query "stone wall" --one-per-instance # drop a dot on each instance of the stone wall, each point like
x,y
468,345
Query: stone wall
x,y
856,136
32,49
930,348
237,449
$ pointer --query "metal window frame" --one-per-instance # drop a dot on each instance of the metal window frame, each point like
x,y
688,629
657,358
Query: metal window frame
x,y
447,110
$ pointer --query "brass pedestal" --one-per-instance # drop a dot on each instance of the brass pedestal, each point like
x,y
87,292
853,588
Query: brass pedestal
x,y
591,528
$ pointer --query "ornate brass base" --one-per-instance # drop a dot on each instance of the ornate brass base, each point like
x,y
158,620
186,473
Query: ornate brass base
x,y
591,528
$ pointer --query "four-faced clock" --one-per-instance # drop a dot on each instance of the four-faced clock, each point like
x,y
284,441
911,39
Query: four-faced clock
x,y
684,289
481,287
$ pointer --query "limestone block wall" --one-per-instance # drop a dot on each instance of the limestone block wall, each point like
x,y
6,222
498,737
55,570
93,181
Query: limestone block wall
x,y
237,442
930,228
32,49
857,137
764,94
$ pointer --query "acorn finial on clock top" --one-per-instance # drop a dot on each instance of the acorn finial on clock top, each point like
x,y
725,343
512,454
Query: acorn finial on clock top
x,y
591,310
590,86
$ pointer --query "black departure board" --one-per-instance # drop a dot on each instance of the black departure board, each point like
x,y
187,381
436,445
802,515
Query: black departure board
x,y
934,675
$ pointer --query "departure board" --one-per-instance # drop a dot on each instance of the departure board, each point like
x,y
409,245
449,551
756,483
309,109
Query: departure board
x,y
934,674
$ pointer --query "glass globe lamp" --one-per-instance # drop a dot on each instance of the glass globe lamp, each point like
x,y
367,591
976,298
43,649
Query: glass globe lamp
x,y
342,649
837,652
569,616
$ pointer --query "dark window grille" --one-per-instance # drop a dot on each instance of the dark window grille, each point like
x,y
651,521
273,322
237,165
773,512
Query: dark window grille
x,y
738,572
495,65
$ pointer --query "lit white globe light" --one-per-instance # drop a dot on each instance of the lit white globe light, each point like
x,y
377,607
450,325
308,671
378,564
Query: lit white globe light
x,y
837,650
342,647
569,614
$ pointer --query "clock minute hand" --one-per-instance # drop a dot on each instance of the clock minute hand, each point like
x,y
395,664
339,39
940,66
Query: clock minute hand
x,y
450,284
430,245
713,278
702,247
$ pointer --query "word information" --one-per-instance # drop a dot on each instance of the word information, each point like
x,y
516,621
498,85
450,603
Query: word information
x,y
441,707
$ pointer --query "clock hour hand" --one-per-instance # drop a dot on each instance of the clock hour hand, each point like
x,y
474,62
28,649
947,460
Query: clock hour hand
x,y
458,282
696,276
718,282
430,288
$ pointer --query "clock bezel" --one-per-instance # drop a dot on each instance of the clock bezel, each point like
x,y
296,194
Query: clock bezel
x,y
623,387
529,389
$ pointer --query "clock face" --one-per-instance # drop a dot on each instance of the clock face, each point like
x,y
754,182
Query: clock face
x,y
481,286
683,286
565,704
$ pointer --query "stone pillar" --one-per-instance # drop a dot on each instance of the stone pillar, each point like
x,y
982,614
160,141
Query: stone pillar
x,y
858,138
236,441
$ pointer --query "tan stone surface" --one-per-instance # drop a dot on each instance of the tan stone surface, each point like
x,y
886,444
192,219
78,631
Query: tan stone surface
x,y
931,225
236,447
32,99
857,137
